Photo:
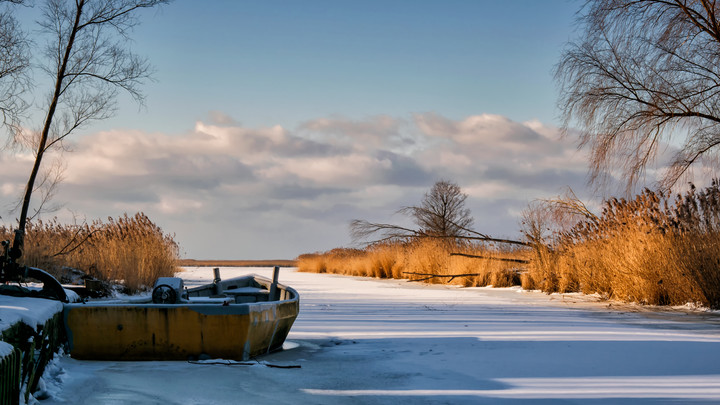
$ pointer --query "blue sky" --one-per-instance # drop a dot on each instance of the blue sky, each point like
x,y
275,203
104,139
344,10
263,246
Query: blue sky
x,y
271,124
284,62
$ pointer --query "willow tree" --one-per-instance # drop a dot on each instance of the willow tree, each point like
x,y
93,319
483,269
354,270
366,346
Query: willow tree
x,y
644,73
14,66
88,60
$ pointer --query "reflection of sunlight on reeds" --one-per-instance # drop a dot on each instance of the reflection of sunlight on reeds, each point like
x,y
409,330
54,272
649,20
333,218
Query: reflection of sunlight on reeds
x,y
637,387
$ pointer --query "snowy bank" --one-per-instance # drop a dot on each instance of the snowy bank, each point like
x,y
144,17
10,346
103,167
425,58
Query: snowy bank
x,y
31,330
30,311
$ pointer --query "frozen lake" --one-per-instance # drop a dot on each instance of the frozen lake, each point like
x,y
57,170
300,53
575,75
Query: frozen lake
x,y
365,341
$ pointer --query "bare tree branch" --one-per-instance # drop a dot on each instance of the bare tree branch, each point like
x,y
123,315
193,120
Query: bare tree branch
x,y
361,229
67,249
450,276
14,69
89,64
442,215
501,259
643,72
442,211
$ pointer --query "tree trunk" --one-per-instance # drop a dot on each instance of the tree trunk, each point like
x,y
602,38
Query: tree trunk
x,y
42,144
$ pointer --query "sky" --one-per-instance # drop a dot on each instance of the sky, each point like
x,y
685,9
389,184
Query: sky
x,y
270,125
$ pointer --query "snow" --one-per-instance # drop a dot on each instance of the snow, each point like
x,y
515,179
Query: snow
x,y
50,384
5,349
72,296
32,311
364,341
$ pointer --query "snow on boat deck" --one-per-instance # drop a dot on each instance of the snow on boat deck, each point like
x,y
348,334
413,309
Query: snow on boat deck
x,y
364,341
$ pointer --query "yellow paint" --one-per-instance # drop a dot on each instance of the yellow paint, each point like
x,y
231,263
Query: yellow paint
x,y
162,332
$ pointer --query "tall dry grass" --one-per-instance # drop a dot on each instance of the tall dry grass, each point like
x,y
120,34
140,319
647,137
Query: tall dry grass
x,y
651,249
414,260
130,249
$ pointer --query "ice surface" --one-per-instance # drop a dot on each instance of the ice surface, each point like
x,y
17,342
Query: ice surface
x,y
364,341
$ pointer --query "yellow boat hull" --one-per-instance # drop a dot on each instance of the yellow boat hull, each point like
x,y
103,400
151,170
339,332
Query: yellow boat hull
x,y
101,331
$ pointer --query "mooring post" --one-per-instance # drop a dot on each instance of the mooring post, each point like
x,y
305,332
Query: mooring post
x,y
274,296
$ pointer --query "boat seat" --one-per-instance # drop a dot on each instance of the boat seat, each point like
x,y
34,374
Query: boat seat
x,y
210,300
247,294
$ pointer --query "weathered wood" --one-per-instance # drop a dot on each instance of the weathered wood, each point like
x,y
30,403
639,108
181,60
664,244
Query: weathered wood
x,y
35,347
10,382
451,276
502,259
274,296
430,275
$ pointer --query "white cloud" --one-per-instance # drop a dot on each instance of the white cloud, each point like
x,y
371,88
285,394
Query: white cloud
x,y
337,171
287,191
178,205
10,189
372,133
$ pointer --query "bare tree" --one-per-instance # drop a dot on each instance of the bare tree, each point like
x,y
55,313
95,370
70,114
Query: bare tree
x,y
442,214
89,60
644,72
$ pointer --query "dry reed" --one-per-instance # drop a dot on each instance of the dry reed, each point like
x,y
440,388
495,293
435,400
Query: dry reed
x,y
415,260
650,249
131,250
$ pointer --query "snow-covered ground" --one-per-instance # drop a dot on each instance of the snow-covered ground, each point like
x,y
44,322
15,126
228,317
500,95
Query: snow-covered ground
x,y
364,341
31,311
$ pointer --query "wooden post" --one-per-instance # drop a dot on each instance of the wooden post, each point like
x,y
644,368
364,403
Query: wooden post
x,y
274,296
216,281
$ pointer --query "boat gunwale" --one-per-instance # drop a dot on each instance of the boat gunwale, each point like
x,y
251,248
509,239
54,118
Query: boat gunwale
x,y
260,305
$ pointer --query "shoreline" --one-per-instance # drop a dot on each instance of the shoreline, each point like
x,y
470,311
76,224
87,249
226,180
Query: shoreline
x,y
236,263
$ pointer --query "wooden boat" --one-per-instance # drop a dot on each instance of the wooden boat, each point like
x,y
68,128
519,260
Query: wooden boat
x,y
235,319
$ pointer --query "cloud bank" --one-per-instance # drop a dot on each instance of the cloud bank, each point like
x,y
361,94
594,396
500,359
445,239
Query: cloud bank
x,y
228,191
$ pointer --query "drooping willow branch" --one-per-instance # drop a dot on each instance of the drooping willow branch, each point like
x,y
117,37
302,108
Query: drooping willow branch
x,y
643,75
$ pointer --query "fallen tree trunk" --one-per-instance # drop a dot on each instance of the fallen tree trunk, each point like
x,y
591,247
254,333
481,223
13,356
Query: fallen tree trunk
x,y
502,259
430,275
